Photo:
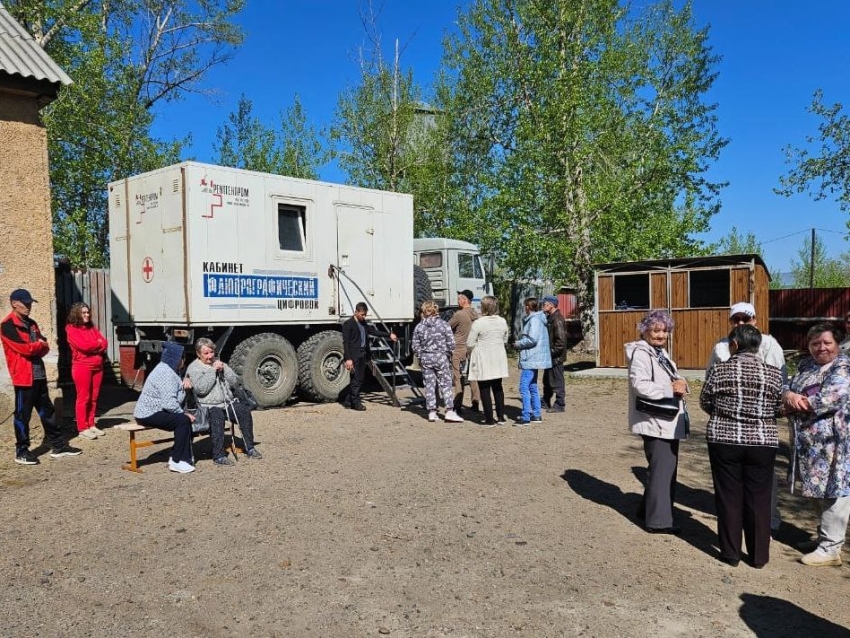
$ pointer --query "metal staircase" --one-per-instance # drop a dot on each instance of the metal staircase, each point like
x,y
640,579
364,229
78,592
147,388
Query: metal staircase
x,y
391,374
385,364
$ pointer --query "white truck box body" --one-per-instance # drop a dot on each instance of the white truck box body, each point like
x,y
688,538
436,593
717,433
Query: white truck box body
x,y
196,244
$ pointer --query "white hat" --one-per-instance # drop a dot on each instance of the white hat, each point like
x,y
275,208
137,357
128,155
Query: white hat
x,y
742,308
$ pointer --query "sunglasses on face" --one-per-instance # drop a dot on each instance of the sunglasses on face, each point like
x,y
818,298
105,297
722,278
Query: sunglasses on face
x,y
741,319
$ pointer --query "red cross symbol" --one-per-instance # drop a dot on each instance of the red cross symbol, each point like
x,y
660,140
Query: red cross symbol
x,y
147,270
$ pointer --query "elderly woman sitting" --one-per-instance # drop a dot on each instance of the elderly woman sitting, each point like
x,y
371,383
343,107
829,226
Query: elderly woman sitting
x,y
213,382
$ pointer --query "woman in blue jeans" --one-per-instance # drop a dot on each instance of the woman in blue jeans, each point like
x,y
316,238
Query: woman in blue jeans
x,y
534,355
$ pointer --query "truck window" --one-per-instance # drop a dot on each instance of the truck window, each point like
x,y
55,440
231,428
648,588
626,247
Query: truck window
x,y
291,227
468,266
479,269
431,260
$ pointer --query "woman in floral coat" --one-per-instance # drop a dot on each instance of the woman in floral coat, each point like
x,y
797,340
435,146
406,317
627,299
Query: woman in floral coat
x,y
819,402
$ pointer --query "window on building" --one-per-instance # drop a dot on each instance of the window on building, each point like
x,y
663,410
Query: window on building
x,y
631,292
292,227
709,288
431,260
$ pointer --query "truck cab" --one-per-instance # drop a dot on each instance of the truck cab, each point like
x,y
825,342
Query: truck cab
x,y
452,265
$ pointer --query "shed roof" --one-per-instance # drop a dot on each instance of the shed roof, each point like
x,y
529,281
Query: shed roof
x,y
21,55
681,263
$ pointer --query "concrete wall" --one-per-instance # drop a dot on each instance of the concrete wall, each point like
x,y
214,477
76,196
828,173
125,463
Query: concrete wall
x,y
26,246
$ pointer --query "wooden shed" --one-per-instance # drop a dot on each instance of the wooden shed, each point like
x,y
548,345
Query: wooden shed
x,y
697,291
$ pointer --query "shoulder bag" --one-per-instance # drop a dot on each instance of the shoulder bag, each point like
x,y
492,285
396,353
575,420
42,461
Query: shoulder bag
x,y
666,408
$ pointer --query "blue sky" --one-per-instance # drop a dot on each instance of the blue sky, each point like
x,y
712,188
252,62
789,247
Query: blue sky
x,y
775,54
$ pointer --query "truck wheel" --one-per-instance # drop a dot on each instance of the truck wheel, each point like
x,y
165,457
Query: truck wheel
x,y
268,367
321,373
421,288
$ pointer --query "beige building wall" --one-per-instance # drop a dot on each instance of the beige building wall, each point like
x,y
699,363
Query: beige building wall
x,y
26,241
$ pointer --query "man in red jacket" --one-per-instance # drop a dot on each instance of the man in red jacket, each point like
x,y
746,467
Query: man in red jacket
x,y
24,347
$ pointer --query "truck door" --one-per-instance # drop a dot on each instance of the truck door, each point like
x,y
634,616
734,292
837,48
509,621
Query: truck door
x,y
355,256
470,275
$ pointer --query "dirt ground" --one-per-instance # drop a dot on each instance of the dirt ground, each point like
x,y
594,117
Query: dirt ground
x,y
380,523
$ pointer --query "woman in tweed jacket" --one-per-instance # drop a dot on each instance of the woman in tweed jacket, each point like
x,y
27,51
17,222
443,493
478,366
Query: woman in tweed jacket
x,y
743,397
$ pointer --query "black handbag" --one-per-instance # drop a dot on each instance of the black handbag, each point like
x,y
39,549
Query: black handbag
x,y
244,396
666,408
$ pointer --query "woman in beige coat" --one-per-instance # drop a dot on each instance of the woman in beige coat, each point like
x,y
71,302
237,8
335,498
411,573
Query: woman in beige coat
x,y
488,361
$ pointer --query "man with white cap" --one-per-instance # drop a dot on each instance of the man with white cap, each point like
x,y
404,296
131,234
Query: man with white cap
x,y
771,353
24,347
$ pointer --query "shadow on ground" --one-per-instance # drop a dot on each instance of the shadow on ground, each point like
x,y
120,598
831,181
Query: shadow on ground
x,y
770,617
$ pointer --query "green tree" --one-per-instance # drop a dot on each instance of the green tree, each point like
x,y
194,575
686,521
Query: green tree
x,y
385,136
736,244
294,149
829,272
823,172
580,133
126,60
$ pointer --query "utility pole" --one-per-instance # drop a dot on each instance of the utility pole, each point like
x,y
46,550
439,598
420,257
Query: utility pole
x,y
812,262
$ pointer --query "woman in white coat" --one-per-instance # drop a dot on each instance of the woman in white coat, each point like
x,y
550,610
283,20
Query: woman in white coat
x,y
653,377
488,361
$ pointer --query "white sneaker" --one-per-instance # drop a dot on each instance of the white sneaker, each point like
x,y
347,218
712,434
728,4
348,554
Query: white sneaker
x,y
97,431
89,434
180,466
821,558
453,417
432,416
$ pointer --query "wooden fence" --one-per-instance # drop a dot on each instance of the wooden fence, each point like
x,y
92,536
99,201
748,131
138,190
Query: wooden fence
x,y
92,287
794,311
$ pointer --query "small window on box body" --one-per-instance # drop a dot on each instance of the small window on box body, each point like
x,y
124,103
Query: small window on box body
x,y
631,292
709,288
431,260
291,227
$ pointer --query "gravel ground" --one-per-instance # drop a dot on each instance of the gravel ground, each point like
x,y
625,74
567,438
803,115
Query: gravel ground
x,y
380,523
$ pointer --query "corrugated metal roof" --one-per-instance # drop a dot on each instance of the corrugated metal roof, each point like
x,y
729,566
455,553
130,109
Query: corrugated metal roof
x,y
20,54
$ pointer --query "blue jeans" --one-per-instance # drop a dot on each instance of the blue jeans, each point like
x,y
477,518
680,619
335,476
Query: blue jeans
x,y
529,393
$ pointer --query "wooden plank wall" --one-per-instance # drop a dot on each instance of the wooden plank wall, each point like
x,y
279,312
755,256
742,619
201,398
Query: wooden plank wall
x,y
695,333
658,288
793,312
740,286
615,329
680,290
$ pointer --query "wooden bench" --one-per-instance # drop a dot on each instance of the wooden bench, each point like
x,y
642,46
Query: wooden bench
x,y
132,427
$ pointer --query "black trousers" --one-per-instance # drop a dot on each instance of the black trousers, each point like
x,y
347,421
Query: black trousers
x,y
660,491
178,423
27,398
236,413
553,384
743,479
494,386
356,383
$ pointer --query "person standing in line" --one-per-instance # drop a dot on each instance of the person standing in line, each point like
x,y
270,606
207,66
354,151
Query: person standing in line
x,y
534,355
160,405
24,347
433,342
653,376
356,351
460,323
88,347
743,396
488,361
771,353
553,378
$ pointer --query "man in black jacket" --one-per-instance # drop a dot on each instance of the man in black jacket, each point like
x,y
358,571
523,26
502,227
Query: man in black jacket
x,y
355,341
553,379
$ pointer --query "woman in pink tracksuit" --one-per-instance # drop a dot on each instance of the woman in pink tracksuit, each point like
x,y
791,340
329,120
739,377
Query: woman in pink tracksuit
x,y
88,346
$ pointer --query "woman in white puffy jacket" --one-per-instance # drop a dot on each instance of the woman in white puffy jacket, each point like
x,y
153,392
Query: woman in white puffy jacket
x,y
653,376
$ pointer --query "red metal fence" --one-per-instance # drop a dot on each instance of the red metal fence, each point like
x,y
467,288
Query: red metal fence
x,y
793,312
